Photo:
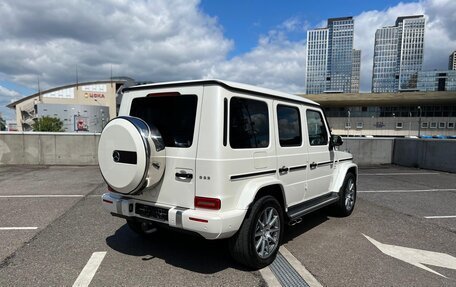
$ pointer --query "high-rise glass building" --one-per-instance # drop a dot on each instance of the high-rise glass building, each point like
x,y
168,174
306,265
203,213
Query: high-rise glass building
x,y
452,61
398,55
330,57
356,71
436,81
317,61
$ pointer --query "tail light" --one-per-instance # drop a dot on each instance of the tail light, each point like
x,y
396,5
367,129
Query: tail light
x,y
208,203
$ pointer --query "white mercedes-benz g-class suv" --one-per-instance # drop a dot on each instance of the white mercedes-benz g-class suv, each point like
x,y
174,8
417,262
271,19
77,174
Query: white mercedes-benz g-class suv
x,y
224,160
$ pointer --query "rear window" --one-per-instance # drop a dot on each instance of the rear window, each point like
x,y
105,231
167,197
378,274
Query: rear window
x,y
174,117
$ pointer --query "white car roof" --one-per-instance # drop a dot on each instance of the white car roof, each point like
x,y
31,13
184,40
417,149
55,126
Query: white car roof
x,y
228,84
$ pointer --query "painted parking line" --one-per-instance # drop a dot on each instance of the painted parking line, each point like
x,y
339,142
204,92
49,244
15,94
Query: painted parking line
x,y
406,190
440,216
18,228
86,275
41,195
400,173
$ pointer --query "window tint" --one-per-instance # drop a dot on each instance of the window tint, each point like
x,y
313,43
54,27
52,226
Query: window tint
x,y
289,124
174,117
316,127
249,123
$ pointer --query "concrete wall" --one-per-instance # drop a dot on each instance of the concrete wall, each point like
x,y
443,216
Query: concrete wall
x,y
81,149
369,151
49,148
433,154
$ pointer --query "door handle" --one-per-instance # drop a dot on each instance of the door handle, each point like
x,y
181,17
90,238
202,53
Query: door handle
x,y
313,165
184,175
283,169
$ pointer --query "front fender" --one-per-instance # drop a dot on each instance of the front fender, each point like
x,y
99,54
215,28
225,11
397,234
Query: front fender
x,y
340,172
251,189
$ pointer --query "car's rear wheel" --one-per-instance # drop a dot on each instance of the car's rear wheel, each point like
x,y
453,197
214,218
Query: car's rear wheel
x,y
257,242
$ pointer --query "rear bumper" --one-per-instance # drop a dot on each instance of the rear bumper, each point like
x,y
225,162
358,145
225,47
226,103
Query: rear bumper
x,y
207,223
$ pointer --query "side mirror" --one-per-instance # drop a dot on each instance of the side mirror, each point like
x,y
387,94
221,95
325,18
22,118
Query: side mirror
x,y
335,141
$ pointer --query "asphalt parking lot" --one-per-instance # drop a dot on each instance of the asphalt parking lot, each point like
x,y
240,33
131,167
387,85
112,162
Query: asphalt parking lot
x,y
52,229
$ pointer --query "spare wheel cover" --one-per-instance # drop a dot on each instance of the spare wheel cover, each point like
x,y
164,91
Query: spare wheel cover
x,y
124,153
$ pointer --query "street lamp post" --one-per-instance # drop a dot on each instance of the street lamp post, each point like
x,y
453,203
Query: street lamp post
x,y
349,124
410,124
419,121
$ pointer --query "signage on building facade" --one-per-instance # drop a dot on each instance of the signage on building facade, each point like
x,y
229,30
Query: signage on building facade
x,y
94,88
81,124
61,94
94,95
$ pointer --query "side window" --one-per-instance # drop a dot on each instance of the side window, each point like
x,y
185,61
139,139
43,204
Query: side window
x,y
316,127
289,124
249,123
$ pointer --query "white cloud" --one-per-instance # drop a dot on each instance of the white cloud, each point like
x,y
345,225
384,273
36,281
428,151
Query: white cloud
x,y
164,40
276,63
149,40
7,93
6,97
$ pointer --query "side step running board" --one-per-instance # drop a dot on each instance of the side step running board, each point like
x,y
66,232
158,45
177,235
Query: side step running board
x,y
304,208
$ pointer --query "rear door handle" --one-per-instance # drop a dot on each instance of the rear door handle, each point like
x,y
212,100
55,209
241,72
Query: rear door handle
x,y
313,165
184,175
283,169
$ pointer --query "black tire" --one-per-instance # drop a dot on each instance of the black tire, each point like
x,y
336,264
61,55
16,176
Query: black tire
x,y
347,197
242,244
141,228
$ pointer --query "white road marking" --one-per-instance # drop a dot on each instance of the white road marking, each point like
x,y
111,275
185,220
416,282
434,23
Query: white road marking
x,y
269,277
441,216
401,173
86,275
18,228
407,190
305,274
42,196
417,257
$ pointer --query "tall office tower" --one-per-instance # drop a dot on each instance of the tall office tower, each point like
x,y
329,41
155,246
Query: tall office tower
x,y
452,62
317,60
398,55
356,71
385,61
329,57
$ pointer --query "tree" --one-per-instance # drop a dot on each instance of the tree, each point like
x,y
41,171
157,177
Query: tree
x,y
2,124
47,124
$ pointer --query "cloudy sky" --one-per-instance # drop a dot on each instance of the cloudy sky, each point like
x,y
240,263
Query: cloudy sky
x,y
261,42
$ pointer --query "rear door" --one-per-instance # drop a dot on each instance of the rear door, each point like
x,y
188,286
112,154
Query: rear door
x,y
321,159
291,151
175,112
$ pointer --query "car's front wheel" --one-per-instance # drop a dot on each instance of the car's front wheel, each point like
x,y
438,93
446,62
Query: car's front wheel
x,y
257,242
347,196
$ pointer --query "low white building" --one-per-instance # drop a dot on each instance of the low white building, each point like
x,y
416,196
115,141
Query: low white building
x,y
84,106
390,114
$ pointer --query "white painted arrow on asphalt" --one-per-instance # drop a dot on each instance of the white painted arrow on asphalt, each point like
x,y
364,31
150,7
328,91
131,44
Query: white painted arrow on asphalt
x,y
417,257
